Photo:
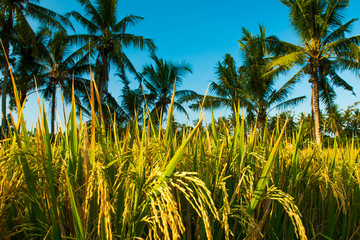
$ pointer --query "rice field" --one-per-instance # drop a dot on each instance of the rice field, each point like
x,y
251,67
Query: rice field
x,y
205,182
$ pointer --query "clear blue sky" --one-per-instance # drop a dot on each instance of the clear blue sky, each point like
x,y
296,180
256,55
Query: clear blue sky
x,y
202,32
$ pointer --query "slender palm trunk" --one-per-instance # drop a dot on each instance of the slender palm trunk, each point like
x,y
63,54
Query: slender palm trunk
x,y
105,74
104,79
317,111
7,31
3,100
53,108
312,132
261,119
22,96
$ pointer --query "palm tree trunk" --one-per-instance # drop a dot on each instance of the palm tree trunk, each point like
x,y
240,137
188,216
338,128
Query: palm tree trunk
x,y
104,79
7,31
22,97
261,119
53,108
317,111
312,132
315,99
3,100
104,75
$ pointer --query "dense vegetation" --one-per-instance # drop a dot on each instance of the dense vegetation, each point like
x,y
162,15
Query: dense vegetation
x,y
216,182
126,170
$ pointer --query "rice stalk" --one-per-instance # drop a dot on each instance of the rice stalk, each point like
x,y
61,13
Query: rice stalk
x,y
290,207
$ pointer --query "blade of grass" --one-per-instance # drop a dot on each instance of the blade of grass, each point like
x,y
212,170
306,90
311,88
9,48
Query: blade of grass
x,y
170,167
50,177
295,155
265,175
79,230
168,129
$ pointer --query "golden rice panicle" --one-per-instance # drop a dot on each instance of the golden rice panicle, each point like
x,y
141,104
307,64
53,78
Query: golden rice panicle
x,y
199,197
11,180
226,206
98,184
163,218
90,190
104,203
292,210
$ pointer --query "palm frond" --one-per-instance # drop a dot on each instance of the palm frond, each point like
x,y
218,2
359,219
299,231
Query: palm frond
x,y
339,33
287,61
47,17
129,40
211,102
86,23
127,21
92,12
181,109
288,103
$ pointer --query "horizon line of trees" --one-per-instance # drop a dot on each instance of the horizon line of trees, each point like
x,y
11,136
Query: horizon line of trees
x,y
48,56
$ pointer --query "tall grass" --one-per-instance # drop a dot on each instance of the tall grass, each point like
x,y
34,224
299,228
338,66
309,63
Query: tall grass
x,y
216,182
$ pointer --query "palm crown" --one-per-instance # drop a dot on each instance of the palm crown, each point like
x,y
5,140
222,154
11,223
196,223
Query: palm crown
x,y
160,79
107,36
258,90
325,49
253,84
62,68
14,21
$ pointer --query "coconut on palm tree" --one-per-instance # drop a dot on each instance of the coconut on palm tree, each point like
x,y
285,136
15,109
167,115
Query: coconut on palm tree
x,y
325,49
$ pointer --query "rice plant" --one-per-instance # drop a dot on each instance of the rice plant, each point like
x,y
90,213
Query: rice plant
x,y
204,182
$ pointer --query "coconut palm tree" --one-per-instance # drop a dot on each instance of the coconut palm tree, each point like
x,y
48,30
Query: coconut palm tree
x,y
259,89
132,101
334,121
159,79
325,49
27,66
128,107
275,122
107,37
225,90
15,13
253,84
64,69
351,120
307,121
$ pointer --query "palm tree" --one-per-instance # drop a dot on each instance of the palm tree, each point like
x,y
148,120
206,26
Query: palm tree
x,y
225,90
253,84
324,51
64,69
27,66
127,108
14,13
352,121
108,36
275,122
132,101
259,90
160,79
334,120
307,121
